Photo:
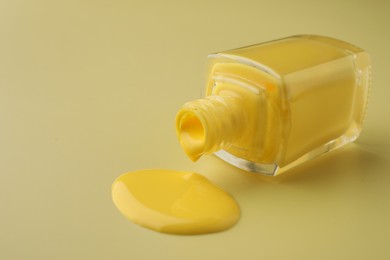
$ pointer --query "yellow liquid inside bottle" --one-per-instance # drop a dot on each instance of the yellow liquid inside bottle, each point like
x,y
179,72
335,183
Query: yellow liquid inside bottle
x,y
271,106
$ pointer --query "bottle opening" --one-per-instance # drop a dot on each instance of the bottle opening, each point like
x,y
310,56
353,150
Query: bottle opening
x,y
191,125
191,133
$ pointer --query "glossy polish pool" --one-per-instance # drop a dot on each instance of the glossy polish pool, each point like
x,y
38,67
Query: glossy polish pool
x,y
174,202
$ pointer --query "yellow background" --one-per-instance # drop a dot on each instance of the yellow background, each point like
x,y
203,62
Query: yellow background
x,y
89,90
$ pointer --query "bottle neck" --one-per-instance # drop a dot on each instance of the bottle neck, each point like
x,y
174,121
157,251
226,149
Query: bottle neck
x,y
210,124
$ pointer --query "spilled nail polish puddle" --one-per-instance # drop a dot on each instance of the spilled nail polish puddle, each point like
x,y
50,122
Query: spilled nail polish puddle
x,y
174,202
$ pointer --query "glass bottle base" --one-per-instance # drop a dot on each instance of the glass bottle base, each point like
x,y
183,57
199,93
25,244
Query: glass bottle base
x,y
274,169
266,169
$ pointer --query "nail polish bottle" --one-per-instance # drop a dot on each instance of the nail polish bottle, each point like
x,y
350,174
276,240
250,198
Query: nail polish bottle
x,y
271,106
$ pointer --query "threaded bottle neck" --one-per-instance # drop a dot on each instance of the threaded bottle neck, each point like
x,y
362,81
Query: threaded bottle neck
x,y
207,125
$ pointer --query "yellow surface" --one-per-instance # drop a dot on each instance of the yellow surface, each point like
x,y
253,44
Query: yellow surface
x,y
90,89
174,202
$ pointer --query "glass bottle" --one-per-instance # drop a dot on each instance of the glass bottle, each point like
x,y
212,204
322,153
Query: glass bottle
x,y
271,106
